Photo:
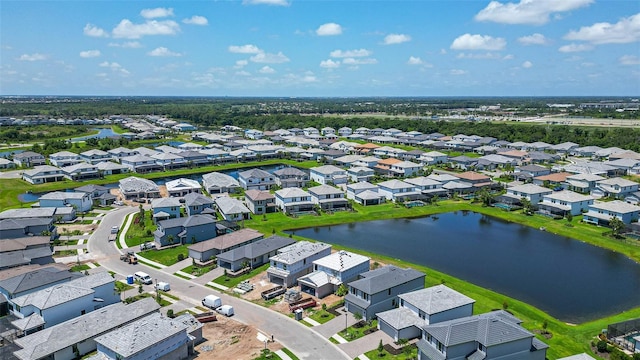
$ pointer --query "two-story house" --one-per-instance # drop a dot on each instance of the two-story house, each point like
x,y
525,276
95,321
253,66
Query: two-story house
x,y
533,193
121,152
377,290
328,198
293,200
332,271
601,212
255,254
328,174
364,193
256,179
405,168
138,188
494,335
182,186
140,163
220,183
64,158
433,158
204,251
196,203
582,183
187,230
360,173
423,307
295,261
260,201
232,209
398,190
78,200
43,174
561,203
169,161
165,208
617,188
428,187
81,171
29,159
95,156
291,177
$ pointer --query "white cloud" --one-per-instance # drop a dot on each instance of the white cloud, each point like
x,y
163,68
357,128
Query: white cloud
x,y
90,53
244,49
392,39
94,31
533,39
457,72
243,73
350,53
352,61
527,64
532,12
196,20
156,13
627,30
268,58
629,60
488,55
266,2
163,51
240,64
32,57
414,61
127,45
329,64
129,30
508,57
267,70
329,29
478,42
115,67
575,48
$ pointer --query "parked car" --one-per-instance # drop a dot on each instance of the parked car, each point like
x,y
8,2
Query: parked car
x,y
148,245
115,229
118,203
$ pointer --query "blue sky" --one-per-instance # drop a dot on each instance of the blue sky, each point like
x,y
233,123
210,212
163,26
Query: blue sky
x,y
320,48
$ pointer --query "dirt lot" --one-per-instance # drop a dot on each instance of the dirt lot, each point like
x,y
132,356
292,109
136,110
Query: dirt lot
x,y
228,339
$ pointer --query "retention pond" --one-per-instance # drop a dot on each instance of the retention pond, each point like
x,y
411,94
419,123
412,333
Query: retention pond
x,y
570,280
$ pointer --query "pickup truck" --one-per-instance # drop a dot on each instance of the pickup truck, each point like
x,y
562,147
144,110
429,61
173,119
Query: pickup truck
x,y
129,257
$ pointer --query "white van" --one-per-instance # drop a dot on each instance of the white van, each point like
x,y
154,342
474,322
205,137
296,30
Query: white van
x,y
162,286
212,302
143,277
226,310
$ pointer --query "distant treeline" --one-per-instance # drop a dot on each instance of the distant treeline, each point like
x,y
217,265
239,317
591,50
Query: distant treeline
x,y
272,114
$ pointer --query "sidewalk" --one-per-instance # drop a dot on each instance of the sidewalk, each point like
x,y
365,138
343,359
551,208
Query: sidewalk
x,y
178,266
335,325
367,343
208,277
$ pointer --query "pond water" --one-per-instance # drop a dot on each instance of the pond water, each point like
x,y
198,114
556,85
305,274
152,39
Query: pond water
x,y
7,153
102,133
570,280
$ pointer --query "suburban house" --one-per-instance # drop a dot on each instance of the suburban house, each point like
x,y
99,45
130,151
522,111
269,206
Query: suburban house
x,y
428,187
582,183
169,160
561,203
219,183
398,190
494,335
328,198
474,178
433,157
584,356
260,201
43,174
383,166
64,301
208,249
423,307
377,290
255,254
533,193
152,337
294,261
26,250
74,337
601,212
80,201
360,173
194,158
81,171
196,203
256,179
121,152
529,171
633,198
100,195
165,208
293,200
140,163
344,131
364,193
332,271
291,177
328,174
6,164
564,148
187,230
405,168
181,187
553,180
64,158
367,161
95,156
253,134
138,188
232,209
29,159
111,168
614,187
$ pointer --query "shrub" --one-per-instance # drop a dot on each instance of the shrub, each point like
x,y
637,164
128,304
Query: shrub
x,y
601,346
170,314
180,257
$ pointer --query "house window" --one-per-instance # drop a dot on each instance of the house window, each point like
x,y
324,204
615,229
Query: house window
x,y
389,292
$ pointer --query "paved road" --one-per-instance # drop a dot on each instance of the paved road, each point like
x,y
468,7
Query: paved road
x,y
302,340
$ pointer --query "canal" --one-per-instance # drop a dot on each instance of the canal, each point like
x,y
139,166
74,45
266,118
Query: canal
x,y
570,280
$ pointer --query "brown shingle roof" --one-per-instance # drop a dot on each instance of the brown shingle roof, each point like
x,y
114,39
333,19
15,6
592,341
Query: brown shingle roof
x,y
555,177
472,175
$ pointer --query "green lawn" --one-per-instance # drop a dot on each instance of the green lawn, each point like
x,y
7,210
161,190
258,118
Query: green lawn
x,y
232,282
166,257
79,268
267,354
408,353
291,355
198,270
120,286
354,333
322,316
140,232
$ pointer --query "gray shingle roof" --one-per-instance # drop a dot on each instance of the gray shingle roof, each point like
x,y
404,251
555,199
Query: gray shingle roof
x,y
257,248
226,241
219,180
136,184
298,251
195,199
380,279
228,205
35,279
254,173
436,299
